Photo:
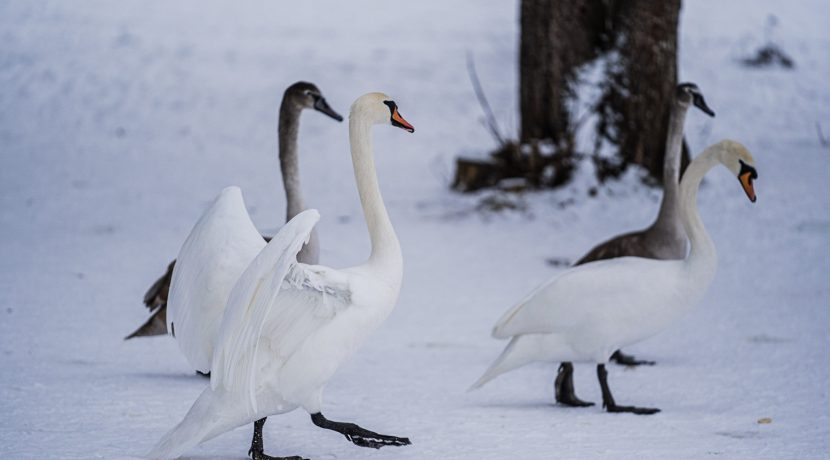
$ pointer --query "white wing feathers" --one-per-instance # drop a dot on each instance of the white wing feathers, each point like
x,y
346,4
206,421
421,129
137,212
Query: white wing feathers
x,y
590,293
222,243
251,299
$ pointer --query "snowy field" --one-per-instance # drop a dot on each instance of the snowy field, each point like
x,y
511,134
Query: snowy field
x,y
120,121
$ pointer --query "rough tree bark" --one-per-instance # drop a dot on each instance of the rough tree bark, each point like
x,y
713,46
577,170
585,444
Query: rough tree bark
x,y
556,38
637,92
638,40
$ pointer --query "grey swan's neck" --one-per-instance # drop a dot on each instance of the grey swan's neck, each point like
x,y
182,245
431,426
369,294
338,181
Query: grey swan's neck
x,y
668,223
289,127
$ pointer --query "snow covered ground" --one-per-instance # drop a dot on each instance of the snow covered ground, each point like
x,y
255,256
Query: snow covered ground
x,y
120,121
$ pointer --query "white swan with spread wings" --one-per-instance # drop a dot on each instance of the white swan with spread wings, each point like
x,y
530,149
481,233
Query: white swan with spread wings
x,y
288,326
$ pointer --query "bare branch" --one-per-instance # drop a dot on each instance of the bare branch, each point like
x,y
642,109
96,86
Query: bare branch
x,y
822,140
492,125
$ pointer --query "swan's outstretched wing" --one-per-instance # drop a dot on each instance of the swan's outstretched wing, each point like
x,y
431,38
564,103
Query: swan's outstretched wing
x,y
293,299
222,243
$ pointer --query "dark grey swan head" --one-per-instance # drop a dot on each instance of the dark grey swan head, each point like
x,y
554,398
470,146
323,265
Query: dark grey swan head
x,y
689,93
305,95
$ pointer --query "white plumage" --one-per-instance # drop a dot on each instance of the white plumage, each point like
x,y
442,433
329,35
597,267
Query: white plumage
x,y
591,310
219,248
287,326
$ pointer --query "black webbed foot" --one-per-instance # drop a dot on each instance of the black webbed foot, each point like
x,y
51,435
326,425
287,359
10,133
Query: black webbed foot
x,y
262,456
633,409
608,399
257,450
628,360
357,435
564,387
365,438
573,401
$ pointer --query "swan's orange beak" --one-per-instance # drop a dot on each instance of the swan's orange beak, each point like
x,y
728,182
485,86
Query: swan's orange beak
x,y
746,183
397,120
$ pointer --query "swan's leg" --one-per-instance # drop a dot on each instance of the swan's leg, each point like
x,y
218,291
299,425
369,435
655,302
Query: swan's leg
x,y
564,387
357,435
608,400
256,452
203,374
628,360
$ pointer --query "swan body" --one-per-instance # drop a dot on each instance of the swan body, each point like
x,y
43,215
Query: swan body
x,y
287,325
664,239
297,97
589,311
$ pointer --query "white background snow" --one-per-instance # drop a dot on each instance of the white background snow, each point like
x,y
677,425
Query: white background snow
x,y
120,121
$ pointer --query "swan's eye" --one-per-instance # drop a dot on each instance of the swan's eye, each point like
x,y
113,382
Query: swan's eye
x,y
747,170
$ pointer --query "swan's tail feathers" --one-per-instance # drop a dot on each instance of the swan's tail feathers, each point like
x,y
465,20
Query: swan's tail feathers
x,y
504,327
155,325
196,427
517,353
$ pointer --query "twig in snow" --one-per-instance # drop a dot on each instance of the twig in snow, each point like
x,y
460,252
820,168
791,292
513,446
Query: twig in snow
x,y
492,125
821,139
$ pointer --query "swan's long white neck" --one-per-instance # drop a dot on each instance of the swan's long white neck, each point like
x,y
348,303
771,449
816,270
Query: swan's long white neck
x,y
668,218
703,257
386,250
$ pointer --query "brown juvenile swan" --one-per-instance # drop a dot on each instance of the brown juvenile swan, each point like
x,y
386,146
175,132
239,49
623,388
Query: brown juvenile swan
x,y
299,96
664,239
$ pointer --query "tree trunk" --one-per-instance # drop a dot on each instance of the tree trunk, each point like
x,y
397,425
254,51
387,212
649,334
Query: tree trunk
x,y
639,39
639,89
556,38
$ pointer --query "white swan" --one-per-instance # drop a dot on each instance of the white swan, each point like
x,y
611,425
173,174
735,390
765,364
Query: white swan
x,y
664,239
288,326
593,309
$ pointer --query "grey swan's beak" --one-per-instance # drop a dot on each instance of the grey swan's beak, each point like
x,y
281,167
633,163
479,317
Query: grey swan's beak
x,y
700,103
321,105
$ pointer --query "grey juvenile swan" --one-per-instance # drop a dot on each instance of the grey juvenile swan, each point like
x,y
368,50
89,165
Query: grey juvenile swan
x,y
297,97
664,239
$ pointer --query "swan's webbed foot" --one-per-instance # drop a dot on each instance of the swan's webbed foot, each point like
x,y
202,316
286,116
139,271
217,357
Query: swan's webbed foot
x,y
259,455
628,360
257,450
203,374
633,409
564,387
608,399
357,435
